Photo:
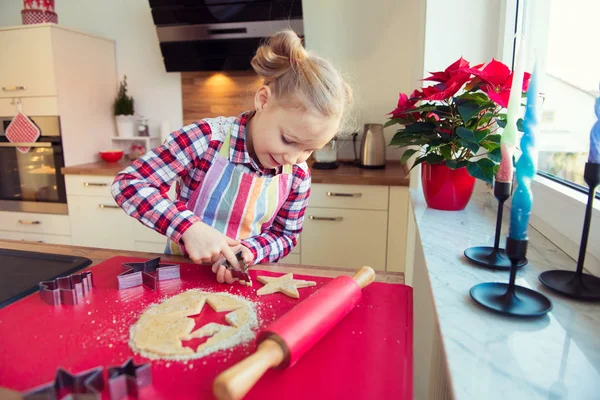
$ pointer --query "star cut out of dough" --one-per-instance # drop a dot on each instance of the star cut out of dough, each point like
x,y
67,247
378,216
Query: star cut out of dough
x,y
285,284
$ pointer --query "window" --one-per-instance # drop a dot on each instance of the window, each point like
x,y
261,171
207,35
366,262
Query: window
x,y
564,34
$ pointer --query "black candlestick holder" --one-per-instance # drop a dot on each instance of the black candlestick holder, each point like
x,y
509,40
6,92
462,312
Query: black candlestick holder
x,y
494,257
576,284
508,298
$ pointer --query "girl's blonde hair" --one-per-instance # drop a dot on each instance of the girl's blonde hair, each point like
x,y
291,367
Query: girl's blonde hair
x,y
295,75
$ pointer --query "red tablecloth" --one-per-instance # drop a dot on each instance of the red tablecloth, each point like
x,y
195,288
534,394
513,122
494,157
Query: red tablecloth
x,y
367,356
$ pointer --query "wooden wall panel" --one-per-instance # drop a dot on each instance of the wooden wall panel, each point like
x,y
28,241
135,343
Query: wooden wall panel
x,y
213,94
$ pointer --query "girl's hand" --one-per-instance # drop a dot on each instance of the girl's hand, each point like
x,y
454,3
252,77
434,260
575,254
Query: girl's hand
x,y
223,274
204,244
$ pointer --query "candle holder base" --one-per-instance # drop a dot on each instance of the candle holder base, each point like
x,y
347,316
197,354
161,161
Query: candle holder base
x,y
569,283
489,257
524,302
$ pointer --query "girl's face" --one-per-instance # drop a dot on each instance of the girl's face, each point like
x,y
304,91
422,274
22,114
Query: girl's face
x,y
280,135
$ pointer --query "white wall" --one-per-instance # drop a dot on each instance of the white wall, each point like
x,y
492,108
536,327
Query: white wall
x,y
377,44
157,94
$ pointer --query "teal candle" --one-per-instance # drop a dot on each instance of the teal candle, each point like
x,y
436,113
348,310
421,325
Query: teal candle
x,y
526,166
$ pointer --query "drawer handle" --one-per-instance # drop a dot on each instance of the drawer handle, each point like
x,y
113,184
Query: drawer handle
x,y
312,217
29,222
96,184
107,206
12,88
34,241
332,194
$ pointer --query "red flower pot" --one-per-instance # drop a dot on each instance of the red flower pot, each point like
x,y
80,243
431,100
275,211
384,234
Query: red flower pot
x,y
446,189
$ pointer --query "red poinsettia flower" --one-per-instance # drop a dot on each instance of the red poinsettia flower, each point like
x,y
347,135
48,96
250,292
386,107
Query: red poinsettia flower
x,y
447,89
495,80
453,69
405,103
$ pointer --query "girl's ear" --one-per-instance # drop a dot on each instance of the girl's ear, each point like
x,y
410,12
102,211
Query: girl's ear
x,y
262,97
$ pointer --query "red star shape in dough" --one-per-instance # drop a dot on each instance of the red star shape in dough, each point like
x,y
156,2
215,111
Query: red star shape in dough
x,y
206,316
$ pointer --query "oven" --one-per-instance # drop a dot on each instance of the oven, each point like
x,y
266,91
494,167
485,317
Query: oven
x,y
33,181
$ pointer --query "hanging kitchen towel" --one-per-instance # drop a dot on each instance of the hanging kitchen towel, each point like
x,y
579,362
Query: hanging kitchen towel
x,y
22,129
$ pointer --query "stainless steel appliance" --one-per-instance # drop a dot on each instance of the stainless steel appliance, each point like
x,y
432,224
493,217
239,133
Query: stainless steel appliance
x,y
33,181
215,35
372,147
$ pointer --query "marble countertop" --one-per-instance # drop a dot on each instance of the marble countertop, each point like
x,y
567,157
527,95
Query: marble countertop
x,y
394,174
490,356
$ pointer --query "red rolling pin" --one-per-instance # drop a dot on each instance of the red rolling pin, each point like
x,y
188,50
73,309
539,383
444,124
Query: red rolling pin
x,y
287,339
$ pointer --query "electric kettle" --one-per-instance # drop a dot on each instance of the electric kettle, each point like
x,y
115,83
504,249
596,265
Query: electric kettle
x,y
372,147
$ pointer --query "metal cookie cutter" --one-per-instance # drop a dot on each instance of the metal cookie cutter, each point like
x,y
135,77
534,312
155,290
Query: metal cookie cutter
x,y
147,273
86,385
241,274
128,379
67,290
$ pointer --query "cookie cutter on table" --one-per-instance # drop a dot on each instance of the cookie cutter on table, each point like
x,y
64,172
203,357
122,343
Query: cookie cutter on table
x,y
86,385
241,274
66,290
147,273
128,379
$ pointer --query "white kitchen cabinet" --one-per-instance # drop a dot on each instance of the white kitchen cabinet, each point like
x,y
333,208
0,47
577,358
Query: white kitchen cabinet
x,y
36,237
28,69
358,197
35,223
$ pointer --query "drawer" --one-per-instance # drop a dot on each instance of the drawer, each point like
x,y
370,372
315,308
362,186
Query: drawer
x,y
349,196
88,185
36,237
150,247
291,259
144,234
34,106
35,223
97,221
344,238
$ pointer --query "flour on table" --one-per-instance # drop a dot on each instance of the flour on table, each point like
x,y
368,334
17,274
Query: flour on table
x,y
159,331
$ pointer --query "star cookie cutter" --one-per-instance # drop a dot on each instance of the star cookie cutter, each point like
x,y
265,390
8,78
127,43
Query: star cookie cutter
x,y
66,290
128,379
86,385
146,273
241,274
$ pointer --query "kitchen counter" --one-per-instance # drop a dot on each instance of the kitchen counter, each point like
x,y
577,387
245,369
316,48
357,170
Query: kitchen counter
x,y
471,353
395,173
98,255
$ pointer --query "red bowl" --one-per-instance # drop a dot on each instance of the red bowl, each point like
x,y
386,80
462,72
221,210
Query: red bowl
x,y
111,156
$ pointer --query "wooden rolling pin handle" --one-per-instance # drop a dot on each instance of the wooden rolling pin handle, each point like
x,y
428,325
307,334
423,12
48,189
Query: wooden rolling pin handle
x,y
364,276
234,383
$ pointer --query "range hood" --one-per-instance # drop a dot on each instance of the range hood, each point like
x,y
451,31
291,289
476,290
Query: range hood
x,y
219,35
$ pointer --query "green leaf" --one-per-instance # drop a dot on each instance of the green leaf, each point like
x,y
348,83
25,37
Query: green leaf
x,y
470,136
495,138
474,147
446,151
469,110
520,125
407,154
408,141
433,158
420,127
418,161
482,169
495,155
478,98
454,164
501,123
391,122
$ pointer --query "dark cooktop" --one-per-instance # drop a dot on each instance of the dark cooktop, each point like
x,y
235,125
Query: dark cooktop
x,y
22,271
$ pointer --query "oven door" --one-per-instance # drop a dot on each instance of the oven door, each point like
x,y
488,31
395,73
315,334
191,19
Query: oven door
x,y
32,181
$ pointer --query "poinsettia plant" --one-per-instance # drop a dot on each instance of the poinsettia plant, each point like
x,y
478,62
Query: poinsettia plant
x,y
456,120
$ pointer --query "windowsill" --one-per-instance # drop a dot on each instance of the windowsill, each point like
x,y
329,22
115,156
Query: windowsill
x,y
568,194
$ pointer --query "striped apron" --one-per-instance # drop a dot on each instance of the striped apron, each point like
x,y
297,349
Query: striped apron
x,y
238,204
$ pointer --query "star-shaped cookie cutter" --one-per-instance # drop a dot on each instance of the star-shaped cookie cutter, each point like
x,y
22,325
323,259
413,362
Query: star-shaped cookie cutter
x,y
128,379
86,385
146,273
67,290
241,274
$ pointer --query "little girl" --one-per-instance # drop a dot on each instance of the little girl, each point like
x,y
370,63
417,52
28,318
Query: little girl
x,y
242,182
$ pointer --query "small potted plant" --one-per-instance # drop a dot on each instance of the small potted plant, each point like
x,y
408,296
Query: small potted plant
x,y
454,125
124,110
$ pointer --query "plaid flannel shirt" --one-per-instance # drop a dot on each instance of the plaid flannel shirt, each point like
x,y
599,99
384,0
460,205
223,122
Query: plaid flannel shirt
x,y
186,155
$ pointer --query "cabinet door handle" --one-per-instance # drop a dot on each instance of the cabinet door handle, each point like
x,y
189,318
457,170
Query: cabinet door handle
x,y
107,206
96,184
333,194
312,217
12,88
29,222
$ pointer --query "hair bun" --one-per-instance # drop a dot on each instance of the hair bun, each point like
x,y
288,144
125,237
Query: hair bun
x,y
274,58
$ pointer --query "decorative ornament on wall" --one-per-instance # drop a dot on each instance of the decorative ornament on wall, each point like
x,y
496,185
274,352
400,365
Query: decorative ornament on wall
x,y
38,12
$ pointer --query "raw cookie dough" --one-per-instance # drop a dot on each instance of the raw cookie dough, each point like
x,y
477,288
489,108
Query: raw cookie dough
x,y
160,329
285,284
